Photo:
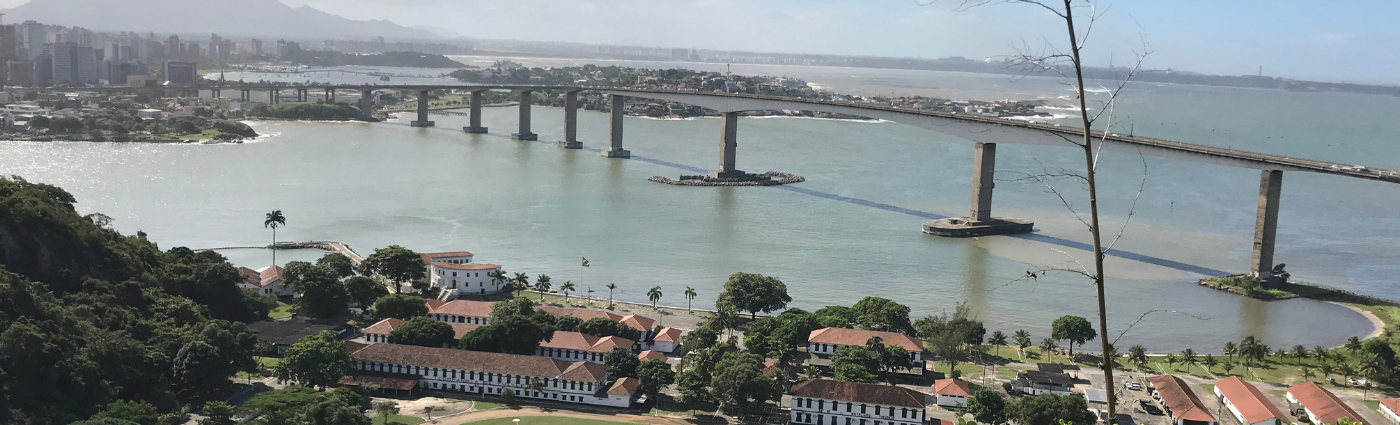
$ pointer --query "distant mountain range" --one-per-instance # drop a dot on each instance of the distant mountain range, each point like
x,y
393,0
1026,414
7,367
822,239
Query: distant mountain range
x,y
256,18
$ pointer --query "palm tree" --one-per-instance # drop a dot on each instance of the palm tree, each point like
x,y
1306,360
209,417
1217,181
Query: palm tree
x,y
1171,360
997,339
611,287
689,296
1188,358
590,295
542,285
1308,373
386,409
1048,345
273,220
1137,355
1023,340
1326,369
498,277
565,288
1209,362
654,294
1299,353
1230,350
1227,366
1353,344
1320,354
520,282
1280,353
1346,370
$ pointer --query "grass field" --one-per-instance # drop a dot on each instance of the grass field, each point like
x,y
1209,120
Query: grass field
x,y
397,420
282,310
545,420
484,405
207,134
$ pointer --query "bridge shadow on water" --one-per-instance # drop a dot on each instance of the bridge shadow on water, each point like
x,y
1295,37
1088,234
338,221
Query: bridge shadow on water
x,y
1034,237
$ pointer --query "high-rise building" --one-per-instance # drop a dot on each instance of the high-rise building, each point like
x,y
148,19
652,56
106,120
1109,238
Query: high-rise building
x,y
34,38
74,64
181,73
43,67
173,48
257,47
191,52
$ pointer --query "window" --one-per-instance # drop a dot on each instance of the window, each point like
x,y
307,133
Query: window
x,y
848,408
862,411
821,404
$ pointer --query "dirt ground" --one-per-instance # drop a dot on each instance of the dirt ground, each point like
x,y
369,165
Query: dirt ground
x,y
418,407
535,411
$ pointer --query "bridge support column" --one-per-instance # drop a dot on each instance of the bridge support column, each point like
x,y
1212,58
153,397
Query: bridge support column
x,y
1266,223
367,105
980,222
615,150
330,96
214,94
571,122
422,111
476,127
243,95
524,133
728,147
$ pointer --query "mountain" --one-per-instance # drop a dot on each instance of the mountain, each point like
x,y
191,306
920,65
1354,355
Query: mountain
x,y
257,18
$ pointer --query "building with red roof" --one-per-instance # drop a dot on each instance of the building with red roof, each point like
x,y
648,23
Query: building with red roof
x,y
1181,405
460,311
1321,406
455,274
266,281
952,393
574,346
1247,403
640,323
667,340
1390,407
651,355
832,402
824,342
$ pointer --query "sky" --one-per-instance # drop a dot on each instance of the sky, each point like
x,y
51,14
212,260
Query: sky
x,y
1350,41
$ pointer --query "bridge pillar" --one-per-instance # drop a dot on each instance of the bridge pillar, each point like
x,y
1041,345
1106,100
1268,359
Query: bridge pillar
x,y
303,95
422,111
330,96
980,222
524,133
214,94
571,122
728,147
367,104
244,95
1266,223
272,96
475,127
615,150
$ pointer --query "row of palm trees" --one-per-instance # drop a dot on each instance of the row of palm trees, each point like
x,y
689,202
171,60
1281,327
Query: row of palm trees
x,y
520,282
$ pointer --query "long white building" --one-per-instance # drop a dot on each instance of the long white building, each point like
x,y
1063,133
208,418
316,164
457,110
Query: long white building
x,y
831,402
542,378
455,275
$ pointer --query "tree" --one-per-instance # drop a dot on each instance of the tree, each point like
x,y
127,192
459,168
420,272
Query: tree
x,y
738,382
654,294
322,294
317,360
1172,359
988,407
508,397
1319,353
334,411
952,338
753,293
1308,373
605,327
542,285
689,296
400,306
1137,355
1300,352
1230,350
566,288
217,413
138,411
498,277
274,219
1072,329
386,409
1227,366
435,408
611,287
569,323
338,263
998,339
520,282
397,264
1188,358
621,363
1023,340
365,291
423,332
1050,409
515,327
882,314
1209,362
855,363
655,375
1048,345
1353,344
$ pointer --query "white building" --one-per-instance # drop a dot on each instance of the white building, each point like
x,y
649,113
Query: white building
x,y
830,402
952,393
267,281
1247,403
1321,406
460,311
26,109
475,372
641,323
1390,407
824,342
666,341
455,275
574,346
150,114
378,333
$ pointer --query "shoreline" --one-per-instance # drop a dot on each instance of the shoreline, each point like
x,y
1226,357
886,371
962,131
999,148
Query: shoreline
x,y
1375,320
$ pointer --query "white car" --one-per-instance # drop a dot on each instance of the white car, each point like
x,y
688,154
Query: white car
x,y
1133,386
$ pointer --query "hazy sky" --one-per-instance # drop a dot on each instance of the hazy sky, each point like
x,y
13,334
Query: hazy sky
x,y
1356,40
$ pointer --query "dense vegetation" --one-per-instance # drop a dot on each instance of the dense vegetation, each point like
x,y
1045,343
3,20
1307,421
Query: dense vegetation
x,y
122,124
89,317
307,111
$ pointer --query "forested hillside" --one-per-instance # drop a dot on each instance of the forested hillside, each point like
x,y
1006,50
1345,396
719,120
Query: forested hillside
x,y
89,317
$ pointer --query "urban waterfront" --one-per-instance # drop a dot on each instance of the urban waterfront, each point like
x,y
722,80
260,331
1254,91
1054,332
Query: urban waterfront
x,y
536,208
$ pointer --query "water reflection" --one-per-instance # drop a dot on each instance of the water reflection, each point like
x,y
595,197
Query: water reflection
x,y
975,272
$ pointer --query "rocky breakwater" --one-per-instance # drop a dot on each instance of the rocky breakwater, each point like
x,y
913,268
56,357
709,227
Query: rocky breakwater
x,y
771,178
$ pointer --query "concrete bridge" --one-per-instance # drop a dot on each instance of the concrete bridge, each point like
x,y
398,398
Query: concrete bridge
x,y
986,132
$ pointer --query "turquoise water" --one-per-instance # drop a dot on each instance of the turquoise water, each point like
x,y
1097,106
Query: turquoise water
x,y
850,231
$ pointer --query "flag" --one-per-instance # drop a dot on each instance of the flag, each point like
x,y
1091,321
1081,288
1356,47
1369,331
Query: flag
x,y
585,262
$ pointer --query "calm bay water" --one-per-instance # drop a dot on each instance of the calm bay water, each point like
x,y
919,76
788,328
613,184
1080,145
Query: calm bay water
x,y
536,208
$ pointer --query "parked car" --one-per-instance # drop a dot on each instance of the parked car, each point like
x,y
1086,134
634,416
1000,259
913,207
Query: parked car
x,y
1332,381
1133,386
1150,408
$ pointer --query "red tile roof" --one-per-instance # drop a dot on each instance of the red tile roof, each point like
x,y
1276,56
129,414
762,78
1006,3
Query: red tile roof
x,y
1177,396
634,321
1249,401
1391,403
668,335
428,256
582,342
843,336
383,327
352,346
770,368
1322,403
651,355
461,329
270,274
482,362
392,381
250,276
469,266
859,392
462,308
625,386
952,387
432,304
